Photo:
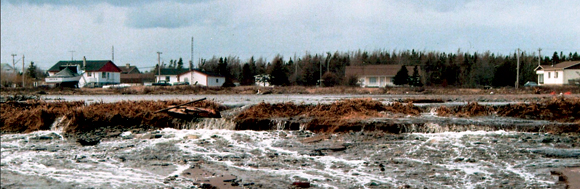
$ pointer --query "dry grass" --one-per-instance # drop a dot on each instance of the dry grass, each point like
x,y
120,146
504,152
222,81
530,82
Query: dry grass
x,y
33,115
39,115
335,117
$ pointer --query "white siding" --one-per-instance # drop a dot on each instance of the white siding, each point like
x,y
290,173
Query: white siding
x,y
198,78
97,77
550,77
214,81
571,74
172,78
380,81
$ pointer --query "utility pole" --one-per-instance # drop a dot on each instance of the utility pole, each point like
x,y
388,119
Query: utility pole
x,y
158,65
518,69
22,71
320,78
13,67
72,53
191,60
539,56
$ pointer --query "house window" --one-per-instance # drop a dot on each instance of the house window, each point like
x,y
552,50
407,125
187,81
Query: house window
x,y
541,78
89,74
103,75
108,75
372,80
549,75
217,80
167,78
555,74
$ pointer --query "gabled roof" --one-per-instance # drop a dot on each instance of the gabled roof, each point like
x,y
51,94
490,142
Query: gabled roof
x,y
560,66
6,66
92,65
128,69
376,70
66,72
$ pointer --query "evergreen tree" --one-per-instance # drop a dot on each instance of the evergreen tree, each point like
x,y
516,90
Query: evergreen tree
x,y
223,67
555,58
402,76
31,71
278,74
247,76
416,79
180,63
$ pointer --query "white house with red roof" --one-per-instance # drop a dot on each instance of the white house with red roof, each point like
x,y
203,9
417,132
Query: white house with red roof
x,y
85,73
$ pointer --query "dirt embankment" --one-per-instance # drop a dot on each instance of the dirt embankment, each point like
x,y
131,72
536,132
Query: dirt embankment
x,y
349,115
77,117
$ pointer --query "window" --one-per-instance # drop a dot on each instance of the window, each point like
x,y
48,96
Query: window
x,y
549,75
372,80
89,74
103,75
555,74
217,80
541,78
167,78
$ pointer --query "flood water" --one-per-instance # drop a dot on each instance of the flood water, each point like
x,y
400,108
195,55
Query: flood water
x,y
278,158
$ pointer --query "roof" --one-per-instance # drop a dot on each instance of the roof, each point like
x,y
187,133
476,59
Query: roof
x,y
6,66
561,66
66,72
128,69
171,71
92,65
376,70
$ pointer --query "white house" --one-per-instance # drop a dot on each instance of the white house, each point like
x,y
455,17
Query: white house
x,y
563,73
191,77
85,73
376,75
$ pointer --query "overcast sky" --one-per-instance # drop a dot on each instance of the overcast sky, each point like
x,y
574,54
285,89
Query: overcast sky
x,y
45,31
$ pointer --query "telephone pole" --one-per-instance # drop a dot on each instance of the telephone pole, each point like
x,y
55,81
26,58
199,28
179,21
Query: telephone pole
x,y
158,65
13,67
518,69
22,71
72,53
539,56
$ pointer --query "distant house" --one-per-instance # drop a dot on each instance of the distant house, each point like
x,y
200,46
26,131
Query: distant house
x,y
87,73
128,69
376,75
191,77
563,73
131,74
7,74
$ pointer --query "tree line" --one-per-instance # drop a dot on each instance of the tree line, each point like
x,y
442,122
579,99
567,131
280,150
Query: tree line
x,y
459,69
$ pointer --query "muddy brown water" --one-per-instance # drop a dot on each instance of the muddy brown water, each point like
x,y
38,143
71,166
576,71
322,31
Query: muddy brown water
x,y
452,153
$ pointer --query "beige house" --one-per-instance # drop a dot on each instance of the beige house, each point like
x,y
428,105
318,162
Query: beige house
x,y
563,73
376,75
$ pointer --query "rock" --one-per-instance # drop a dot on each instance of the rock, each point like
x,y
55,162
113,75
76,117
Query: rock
x,y
88,141
301,184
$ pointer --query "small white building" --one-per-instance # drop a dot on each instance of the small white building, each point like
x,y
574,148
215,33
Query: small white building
x,y
376,75
190,77
563,73
86,73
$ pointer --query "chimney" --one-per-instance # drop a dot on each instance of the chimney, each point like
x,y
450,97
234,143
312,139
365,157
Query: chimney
x,y
128,66
84,62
